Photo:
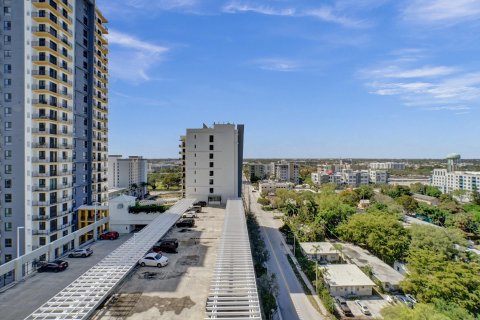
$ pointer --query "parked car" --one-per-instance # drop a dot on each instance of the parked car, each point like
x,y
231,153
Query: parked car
x,y
111,235
411,299
197,209
166,245
186,223
153,259
200,203
54,266
86,252
190,214
363,307
404,300
390,299
343,305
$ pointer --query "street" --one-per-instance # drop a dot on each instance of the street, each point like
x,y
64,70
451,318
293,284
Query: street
x,y
292,300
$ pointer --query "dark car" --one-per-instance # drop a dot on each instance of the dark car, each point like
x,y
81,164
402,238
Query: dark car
x,y
111,235
343,305
200,203
54,266
86,252
166,245
185,223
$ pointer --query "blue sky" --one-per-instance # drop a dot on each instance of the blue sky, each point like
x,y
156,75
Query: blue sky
x,y
339,78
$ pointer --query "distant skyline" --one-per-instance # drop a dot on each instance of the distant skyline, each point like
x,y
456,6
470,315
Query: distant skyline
x,y
336,79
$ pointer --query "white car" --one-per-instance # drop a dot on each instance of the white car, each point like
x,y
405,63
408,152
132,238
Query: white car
x,y
190,214
389,299
153,259
363,307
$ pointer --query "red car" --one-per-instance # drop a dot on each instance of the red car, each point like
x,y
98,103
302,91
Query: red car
x,y
111,235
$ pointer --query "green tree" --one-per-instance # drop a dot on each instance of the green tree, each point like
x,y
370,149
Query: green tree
x,y
349,197
432,191
476,197
380,232
263,201
420,312
409,204
291,209
418,188
365,192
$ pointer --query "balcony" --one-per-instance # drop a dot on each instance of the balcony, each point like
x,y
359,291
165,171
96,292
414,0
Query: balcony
x,y
63,107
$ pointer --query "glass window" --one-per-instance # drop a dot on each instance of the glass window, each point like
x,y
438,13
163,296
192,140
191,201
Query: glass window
x,y
8,226
8,243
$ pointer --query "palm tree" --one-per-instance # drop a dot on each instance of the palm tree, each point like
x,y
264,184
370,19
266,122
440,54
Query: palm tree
x,y
312,208
291,209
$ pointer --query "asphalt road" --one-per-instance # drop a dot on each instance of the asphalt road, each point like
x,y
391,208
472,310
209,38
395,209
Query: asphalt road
x,y
20,301
292,300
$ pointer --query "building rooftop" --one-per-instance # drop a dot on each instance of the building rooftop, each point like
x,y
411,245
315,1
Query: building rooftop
x,y
346,275
317,247
382,271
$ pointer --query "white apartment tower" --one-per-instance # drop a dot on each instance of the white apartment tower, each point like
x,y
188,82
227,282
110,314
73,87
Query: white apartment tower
x,y
128,172
53,119
212,160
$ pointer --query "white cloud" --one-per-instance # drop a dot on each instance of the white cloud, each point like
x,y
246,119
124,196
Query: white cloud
x,y
236,7
328,14
442,11
324,13
277,64
427,87
134,58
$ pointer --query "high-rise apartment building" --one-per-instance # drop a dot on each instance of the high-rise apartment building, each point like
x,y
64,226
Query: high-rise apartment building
x,y
130,173
212,159
53,117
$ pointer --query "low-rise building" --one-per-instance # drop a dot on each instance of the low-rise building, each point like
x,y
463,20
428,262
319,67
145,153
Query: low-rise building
x,y
387,165
426,199
121,220
346,280
269,187
323,252
386,275
408,181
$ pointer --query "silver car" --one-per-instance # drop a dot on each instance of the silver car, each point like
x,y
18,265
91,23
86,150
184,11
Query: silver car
x,y
80,253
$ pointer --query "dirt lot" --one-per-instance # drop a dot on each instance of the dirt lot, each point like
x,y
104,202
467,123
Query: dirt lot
x,y
179,290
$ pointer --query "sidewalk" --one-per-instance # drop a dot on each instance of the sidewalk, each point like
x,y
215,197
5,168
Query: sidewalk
x,y
305,279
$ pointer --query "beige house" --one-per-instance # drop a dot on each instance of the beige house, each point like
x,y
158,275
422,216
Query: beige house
x,y
320,251
347,279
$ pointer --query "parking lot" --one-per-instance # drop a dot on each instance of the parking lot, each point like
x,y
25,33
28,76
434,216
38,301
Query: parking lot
x,y
25,297
374,304
179,290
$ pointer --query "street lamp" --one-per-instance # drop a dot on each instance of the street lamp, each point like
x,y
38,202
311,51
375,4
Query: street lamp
x,y
18,239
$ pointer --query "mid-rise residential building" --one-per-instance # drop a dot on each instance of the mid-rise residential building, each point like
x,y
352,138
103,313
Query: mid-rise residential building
x,y
378,176
212,162
258,171
53,117
129,173
456,180
286,171
387,165
348,177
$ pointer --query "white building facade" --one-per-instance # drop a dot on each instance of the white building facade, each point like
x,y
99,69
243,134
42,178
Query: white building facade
x,y
456,180
387,165
286,171
123,173
212,160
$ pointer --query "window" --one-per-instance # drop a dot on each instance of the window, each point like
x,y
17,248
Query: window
x,y
7,39
7,10
8,226
211,138
8,243
42,241
211,174
8,257
211,147
8,125
7,68
211,190
8,155
8,97
8,110
8,168
8,212
211,164
210,181
7,82
211,156
8,183
7,25
8,198
7,53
